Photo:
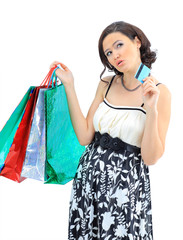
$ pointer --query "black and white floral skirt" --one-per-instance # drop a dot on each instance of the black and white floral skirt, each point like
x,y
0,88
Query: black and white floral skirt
x,y
110,197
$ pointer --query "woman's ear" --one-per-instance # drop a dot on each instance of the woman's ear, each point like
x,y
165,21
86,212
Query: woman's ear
x,y
138,42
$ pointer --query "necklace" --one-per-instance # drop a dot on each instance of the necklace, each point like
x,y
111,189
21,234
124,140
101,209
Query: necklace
x,y
131,90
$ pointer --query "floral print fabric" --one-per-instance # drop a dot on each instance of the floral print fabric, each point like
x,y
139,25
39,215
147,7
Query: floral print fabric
x,y
110,197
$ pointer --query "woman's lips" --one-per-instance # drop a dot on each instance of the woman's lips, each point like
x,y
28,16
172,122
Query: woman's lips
x,y
120,63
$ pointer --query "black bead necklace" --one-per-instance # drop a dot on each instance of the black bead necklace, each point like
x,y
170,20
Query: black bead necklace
x,y
130,90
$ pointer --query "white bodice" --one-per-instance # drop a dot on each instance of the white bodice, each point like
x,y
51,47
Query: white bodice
x,y
124,122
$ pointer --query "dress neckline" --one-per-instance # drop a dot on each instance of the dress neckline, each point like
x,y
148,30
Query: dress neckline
x,y
124,107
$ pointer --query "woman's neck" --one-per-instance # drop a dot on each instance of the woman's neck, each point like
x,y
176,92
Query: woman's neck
x,y
130,81
129,78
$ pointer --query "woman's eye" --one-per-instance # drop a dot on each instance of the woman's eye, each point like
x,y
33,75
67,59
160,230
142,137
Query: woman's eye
x,y
119,45
108,53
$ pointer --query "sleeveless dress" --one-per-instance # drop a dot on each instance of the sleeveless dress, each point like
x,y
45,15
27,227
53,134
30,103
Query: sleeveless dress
x,y
110,196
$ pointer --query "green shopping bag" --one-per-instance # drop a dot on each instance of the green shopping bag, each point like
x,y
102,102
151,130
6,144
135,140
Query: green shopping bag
x,y
63,150
8,132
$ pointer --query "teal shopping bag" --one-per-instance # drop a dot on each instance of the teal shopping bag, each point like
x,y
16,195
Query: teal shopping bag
x,y
63,150
8,132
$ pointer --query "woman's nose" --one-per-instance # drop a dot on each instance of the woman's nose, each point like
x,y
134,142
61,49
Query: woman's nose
x,y
116,55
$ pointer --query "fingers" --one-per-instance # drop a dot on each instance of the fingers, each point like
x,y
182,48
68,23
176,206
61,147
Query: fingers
x,y
150,78
149,85
55,63
64,67
149,89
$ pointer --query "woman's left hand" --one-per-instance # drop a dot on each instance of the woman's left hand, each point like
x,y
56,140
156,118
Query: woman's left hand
x,y
150,93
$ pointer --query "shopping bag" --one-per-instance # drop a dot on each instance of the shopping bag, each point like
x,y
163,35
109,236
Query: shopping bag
x,y
63,150
8,132
14,160
34,163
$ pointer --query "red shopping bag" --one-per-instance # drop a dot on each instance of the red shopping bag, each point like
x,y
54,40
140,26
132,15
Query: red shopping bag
x,y
15,158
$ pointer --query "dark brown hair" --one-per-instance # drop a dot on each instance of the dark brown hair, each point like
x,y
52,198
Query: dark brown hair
x,y
147,56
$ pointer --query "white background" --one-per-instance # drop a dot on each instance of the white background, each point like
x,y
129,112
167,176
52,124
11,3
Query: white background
x,y
35,33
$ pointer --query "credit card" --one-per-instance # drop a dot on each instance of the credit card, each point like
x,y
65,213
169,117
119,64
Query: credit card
x,y
142,72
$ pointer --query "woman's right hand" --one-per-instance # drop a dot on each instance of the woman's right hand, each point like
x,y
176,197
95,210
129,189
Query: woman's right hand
x,y
64,75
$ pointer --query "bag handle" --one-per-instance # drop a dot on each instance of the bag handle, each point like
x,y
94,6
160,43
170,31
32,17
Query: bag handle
x,y
51,77
47,78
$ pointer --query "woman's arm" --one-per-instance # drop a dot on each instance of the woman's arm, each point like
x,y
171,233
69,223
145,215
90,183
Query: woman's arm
x,y
156,126
83,127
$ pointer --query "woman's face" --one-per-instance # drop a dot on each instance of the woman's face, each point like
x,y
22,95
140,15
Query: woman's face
x,y
122,52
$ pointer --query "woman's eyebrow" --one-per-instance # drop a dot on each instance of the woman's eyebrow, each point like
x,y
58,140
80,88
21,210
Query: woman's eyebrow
x,y
112,45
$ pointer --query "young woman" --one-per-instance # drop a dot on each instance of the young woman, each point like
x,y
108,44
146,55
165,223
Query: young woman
x,y
125,130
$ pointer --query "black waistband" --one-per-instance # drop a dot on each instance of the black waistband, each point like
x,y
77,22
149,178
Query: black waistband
x,y
116,144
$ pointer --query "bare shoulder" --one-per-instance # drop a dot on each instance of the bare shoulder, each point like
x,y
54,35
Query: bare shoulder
x,y
162,87
164,103
102,86
165,93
